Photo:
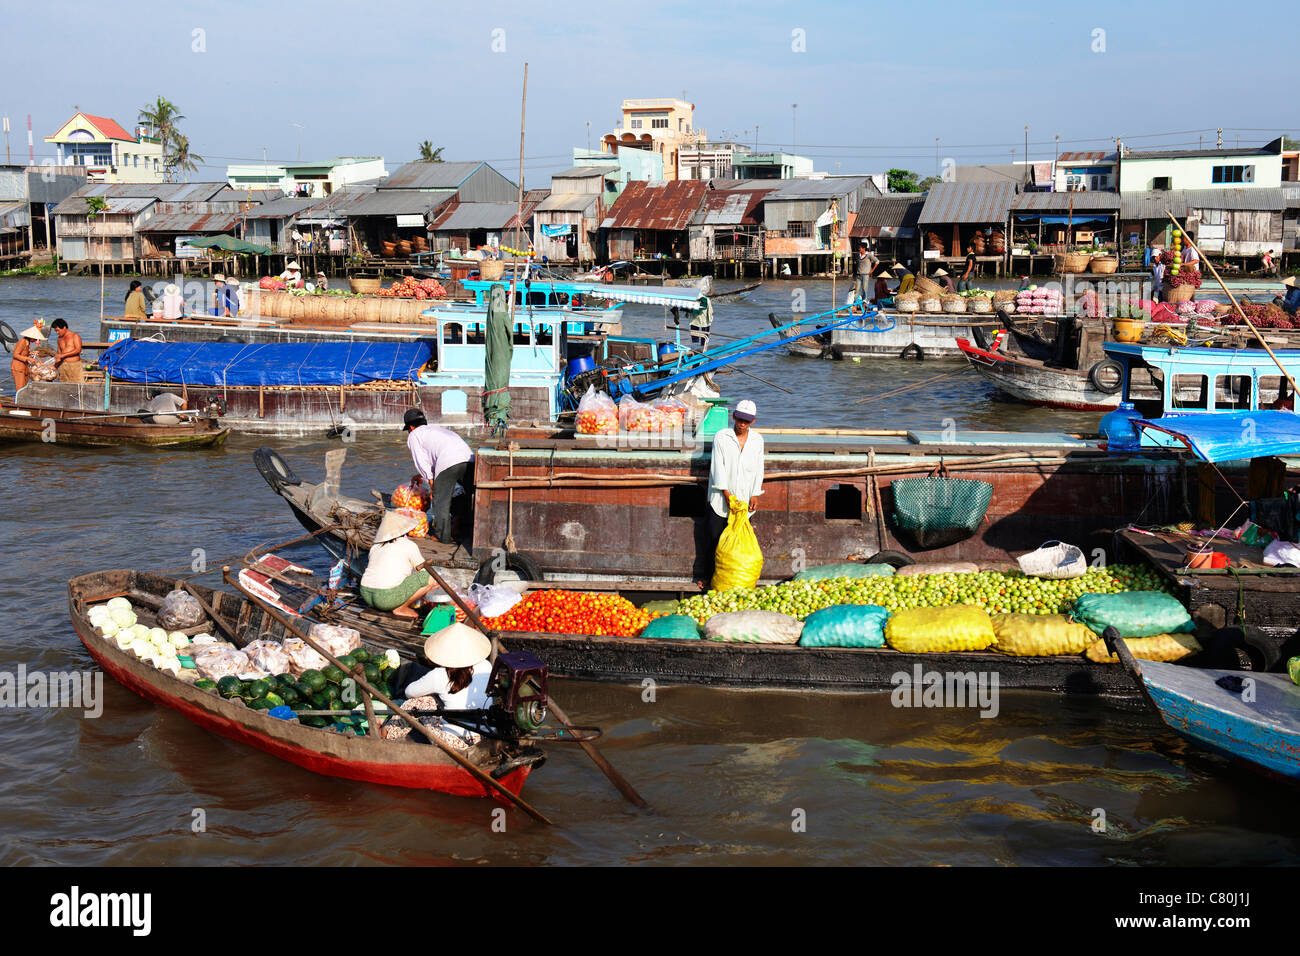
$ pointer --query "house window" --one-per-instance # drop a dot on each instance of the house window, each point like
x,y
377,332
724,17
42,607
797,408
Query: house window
x,y
798,230
1229,174
1162,182
1271,388
687,501
659,123
636,124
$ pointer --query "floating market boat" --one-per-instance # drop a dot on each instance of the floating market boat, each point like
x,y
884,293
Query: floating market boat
x,y
320,750
25,422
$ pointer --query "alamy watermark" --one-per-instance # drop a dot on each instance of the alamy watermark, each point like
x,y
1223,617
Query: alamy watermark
x,y
922,688
79,690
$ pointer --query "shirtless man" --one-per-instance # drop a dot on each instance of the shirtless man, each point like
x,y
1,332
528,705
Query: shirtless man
x,y
68,358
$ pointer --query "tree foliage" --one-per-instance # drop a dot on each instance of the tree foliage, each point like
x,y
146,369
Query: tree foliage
x,y
428,154
902,181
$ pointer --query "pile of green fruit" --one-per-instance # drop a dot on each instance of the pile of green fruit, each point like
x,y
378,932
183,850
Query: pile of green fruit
x,y
998,592
323,689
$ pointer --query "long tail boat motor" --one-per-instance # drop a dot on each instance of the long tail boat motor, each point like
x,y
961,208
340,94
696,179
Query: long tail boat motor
x,y
518,689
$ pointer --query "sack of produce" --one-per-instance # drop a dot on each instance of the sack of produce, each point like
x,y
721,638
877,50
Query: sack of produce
x,y
938,510
180,610
938,567
739,560
962,627
1055,560
216,661
845,625
270,656
672,627
597,414
674,408
301,656
1133,614
1040,635
1158,647
335,639
753,627
414,494
850,569
421,519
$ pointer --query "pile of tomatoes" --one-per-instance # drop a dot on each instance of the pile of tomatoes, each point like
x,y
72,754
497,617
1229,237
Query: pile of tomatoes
x,y
573,612
412,288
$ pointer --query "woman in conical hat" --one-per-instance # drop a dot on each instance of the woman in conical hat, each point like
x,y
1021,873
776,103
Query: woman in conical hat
x,y
394,580
21,360
453,675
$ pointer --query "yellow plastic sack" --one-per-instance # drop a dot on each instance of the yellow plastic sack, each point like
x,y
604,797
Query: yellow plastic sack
x,y
739,560
1162,647
1040,635
962,627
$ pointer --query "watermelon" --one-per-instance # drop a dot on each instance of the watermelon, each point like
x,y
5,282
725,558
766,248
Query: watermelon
x,y
315,678
314,721
260,703
320,701
204,683
275,699
285,680
372,677
333,674
256,689
304,689
290,695
347,662
360,655
229,687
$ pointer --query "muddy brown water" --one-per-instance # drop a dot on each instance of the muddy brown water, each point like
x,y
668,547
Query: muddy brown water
x,y
733,776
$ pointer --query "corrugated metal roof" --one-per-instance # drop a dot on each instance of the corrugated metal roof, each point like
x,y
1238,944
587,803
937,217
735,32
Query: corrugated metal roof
x,y
281,208
176,192
532,199
1291,193
1200,153
659,206
1152,205
240,194
335,202
14,214
420,175
475,215
1061,202
1096,156
570,202
765,184
76,206
967,203
191,222
51,187
729,207
894,216
832,187
993,173
393,202
586,172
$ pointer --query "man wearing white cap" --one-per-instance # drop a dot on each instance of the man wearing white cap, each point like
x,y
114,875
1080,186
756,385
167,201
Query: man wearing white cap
x,y
21,361
735,471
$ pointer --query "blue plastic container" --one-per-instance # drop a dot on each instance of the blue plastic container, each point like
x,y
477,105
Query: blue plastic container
x,y
583,363
667,351
1118,429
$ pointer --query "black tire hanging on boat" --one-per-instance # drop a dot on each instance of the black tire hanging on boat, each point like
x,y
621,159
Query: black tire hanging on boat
x,y
274,469
895,559
521,564
1101,385
912,351
8,337
1242,648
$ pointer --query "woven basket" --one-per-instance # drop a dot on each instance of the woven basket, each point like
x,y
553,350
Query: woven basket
x,y
938,511
1103,265
1073,261
931,304
979,303
365,285
953,303
927,285
489,270
1004,295
1179,293
909,305
1054,560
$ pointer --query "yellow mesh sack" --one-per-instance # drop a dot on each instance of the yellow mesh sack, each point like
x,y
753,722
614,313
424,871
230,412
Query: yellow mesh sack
x,y
1040,635
739,560
1162,647
962,627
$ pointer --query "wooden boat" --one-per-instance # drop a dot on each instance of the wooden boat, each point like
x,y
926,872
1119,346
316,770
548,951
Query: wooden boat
x,y
807,346
23,422
1251,717
370,760
1036,381
739,294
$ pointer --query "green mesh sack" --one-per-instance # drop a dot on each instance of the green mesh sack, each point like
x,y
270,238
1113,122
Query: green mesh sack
x,y
938,510
1133,613
674,627
850,569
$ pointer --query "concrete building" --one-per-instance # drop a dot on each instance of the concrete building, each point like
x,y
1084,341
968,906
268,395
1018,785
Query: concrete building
x,y
772,166
109,152
661,126
709,160
1093,171
307,180
1247,167
632,165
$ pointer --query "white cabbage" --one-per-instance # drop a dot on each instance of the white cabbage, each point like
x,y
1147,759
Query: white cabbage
x,y
177,639
119,602
124,616
107,627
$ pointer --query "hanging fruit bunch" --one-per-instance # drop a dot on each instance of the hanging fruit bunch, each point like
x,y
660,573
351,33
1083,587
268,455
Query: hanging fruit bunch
x,y
1176,265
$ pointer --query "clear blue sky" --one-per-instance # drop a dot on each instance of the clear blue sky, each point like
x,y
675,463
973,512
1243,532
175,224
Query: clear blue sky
x,y
875,83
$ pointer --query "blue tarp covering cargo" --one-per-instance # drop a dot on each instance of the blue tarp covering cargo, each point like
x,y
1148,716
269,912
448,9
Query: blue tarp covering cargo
x,y
280,363
1230,436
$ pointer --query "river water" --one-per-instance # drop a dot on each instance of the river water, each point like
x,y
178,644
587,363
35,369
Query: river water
x,y
733,776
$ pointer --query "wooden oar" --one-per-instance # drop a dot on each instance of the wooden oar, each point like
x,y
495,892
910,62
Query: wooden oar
x,y
597,757
474,771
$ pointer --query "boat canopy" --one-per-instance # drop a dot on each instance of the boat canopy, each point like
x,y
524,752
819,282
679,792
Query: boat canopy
x,y
685,297
1232,436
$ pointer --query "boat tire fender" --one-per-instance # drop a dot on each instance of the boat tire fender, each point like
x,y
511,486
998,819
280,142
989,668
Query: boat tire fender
x,y
274,469
912,351
520,564
1103,385
8,337
1242,648
895,559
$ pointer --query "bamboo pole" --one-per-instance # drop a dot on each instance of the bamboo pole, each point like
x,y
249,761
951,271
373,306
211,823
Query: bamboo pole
x,y
1233,299
464,762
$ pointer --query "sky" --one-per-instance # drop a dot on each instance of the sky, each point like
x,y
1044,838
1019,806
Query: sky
x,y
874,83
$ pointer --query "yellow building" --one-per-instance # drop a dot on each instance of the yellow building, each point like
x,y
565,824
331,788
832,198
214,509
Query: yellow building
x,y
108,152
661,126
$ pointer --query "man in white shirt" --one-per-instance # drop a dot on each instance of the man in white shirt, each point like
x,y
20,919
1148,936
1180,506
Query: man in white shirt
x,y
735,471
443,460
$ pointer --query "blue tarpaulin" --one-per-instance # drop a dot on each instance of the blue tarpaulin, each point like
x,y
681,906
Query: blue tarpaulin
x,y
279,363
1231,436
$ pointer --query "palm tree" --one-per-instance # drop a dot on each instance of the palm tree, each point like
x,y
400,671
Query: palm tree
x,y
181,158
162,118
428,154
96,206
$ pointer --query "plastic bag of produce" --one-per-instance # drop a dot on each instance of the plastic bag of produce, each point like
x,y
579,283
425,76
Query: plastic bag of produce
x,y
270,656
335,639
180,610
1133,614
674,408
962,627
1040,635
421,529
938,567
673,627
845,625
493,600
413,494
753,627
597,414
301,655
850,569
216,661
739,560
1158,647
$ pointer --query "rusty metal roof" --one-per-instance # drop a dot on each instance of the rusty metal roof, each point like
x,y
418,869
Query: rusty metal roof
x,y
76,206
977,203
730,207
893,216
420,175
1096,156
198,221
1063,201
532,199
666,207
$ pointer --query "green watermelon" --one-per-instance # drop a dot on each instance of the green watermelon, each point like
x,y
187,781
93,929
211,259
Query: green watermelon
x,y
347,662
314,721
290,695
372,677
304,689
260,703
229,687
285,680
257,689
320,701
360,655
204,684
332,674
314,678
275,699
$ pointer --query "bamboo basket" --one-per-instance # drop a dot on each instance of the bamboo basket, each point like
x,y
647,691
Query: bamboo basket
x,y
365,285
931,304
1179,293
980,303
953,303
1076,262
490,270
924,285
1104,265
908,302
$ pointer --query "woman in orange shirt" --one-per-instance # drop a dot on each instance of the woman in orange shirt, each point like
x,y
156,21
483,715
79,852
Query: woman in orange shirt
x,y
21,364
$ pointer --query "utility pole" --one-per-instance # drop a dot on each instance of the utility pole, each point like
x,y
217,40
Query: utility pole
x,y
936,155
1219,141
300,129
794,126
589,136
1056,159
8,161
